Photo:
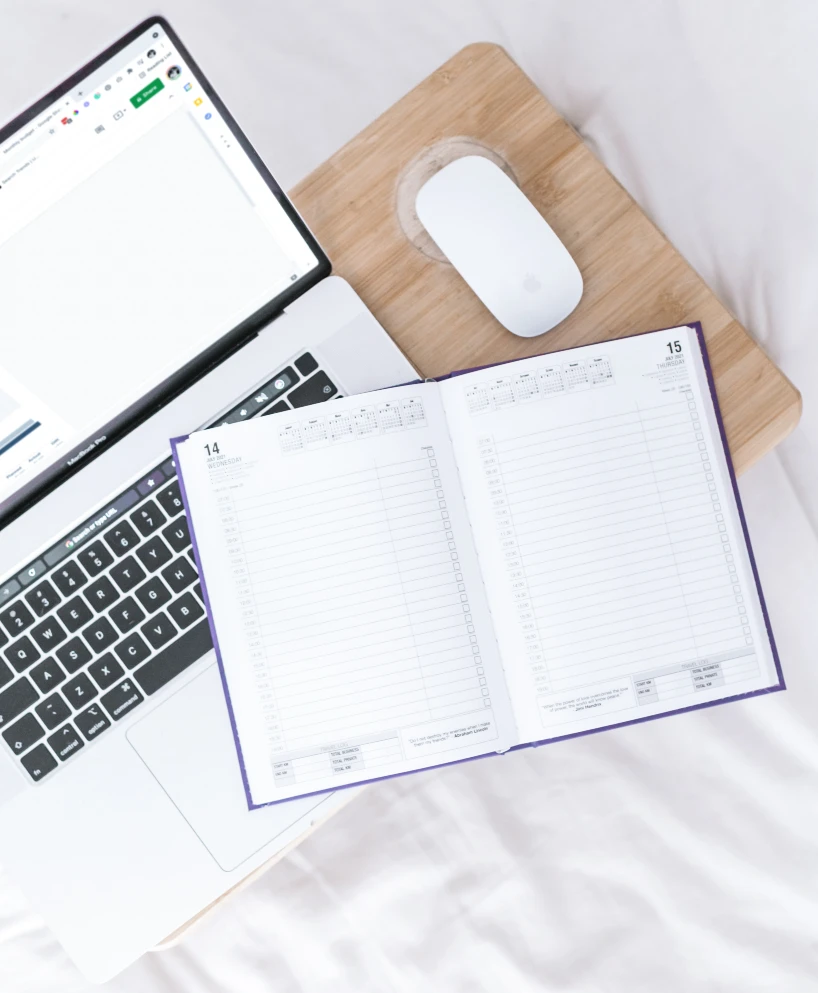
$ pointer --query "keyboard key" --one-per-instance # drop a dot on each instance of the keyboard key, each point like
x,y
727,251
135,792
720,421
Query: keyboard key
x,y
38,762
92,722
6,673
277,408
306,364
122,699
69,578
313,390
79,691
100,634
22,653
127,574
197,589
42,598
127,615
47,674
169,467
170,500
101,594
185,610
121,538
105,671
148,518
73,655
52,711
16,618
154,553
74,614
49,634
153,594
180,575
177,657
95,558
15,699
132,650
4,638
23,734
159,630
65,742
177,535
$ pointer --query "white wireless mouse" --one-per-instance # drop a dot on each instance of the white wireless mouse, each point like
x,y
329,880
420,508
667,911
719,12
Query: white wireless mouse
x,y
500,244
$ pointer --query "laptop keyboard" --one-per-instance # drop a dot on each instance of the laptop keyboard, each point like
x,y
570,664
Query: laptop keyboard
x,y
113,612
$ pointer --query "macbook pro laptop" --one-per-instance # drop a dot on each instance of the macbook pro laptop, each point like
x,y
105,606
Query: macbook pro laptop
x,y
153,279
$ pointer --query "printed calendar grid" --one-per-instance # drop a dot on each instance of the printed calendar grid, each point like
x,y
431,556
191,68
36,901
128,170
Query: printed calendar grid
x,y
338,426
558,379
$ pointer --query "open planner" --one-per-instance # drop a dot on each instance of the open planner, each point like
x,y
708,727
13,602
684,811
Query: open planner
x,y
449,569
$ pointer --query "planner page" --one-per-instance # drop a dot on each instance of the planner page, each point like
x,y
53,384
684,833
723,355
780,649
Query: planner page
x,y
609,534
350,616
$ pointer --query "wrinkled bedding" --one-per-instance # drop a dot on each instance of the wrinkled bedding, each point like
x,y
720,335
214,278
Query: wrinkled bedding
x,y
677,855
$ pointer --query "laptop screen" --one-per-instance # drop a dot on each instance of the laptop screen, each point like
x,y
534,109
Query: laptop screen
x,y
137,231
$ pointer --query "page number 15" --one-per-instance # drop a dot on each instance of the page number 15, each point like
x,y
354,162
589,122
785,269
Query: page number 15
x,y
674,347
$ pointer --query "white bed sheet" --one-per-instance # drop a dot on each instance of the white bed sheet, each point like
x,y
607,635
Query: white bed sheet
x,y
676,855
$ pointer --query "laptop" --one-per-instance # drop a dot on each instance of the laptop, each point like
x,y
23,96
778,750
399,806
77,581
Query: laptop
x,y
154,279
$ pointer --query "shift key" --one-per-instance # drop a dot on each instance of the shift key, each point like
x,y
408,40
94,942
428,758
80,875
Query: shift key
x,y
15,699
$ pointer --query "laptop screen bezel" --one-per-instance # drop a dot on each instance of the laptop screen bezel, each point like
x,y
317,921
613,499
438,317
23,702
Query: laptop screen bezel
x,y
80,454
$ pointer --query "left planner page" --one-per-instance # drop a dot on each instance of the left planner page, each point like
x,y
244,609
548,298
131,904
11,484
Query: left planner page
x,y
344,589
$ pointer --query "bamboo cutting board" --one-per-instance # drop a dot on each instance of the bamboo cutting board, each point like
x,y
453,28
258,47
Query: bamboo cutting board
x,y
359,204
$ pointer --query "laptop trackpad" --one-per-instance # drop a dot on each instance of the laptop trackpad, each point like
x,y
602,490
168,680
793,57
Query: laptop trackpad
x,y
187,743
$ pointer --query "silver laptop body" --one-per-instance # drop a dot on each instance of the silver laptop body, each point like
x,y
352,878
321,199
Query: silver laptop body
x,y
153,279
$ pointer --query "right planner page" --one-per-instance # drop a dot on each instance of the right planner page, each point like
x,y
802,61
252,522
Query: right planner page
x,y
611,539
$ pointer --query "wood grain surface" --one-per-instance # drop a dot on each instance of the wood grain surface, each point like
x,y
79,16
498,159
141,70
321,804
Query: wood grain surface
x,y
634,279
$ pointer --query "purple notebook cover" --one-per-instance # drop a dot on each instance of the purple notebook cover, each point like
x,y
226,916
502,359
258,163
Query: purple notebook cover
x,y
695,325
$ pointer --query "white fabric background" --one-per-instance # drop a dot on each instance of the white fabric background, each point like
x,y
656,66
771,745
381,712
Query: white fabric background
x,y
678,855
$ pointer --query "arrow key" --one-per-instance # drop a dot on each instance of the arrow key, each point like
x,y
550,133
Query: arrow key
x,y
22,735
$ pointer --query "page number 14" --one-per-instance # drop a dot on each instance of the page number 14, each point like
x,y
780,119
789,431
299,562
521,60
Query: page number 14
x,y
674,347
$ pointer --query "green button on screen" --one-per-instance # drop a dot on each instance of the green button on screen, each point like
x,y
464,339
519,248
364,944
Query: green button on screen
x,y
149,91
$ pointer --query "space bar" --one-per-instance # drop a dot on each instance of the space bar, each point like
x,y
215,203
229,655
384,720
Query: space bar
x,y
193,644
